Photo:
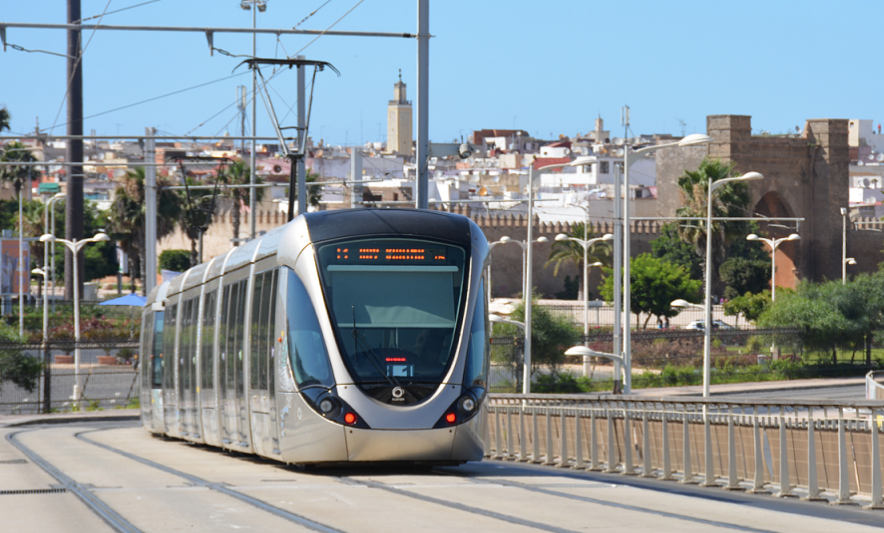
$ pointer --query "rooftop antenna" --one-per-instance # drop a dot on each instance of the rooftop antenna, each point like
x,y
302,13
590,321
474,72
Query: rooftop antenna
x,y
298,155
683,126
624,120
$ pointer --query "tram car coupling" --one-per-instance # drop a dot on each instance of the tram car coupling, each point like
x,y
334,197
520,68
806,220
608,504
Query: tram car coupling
x,y
343,336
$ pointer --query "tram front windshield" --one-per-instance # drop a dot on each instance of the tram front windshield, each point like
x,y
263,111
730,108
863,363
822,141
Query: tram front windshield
x,y
395,305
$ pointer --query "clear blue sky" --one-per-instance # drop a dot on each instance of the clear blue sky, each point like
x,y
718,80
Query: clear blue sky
x,y
547,67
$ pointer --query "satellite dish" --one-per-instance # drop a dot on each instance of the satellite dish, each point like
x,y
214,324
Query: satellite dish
x,y
119,173
860,162
871,157
503,188
618,141
277,169
102,176
567,151
880,157
483,191
618,152
866,183
496,179
100,157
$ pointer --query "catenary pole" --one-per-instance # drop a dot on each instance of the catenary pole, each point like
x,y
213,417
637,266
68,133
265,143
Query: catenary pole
x,y
253,163
74,150
423,91
150,223
302,141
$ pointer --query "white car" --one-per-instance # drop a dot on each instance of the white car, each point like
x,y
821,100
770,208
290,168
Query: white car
x,y
716,324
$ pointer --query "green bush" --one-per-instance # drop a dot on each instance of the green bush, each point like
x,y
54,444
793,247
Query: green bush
x,y
16,366
175,260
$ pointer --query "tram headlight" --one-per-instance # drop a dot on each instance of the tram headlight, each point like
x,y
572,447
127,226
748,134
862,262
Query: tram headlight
x,y
326,406
467,404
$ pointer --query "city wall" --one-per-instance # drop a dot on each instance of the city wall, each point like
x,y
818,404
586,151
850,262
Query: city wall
x,y
506,267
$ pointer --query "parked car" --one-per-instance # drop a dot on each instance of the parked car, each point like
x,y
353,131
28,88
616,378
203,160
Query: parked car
x,y
716,324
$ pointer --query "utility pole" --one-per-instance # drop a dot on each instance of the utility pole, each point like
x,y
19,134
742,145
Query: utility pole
x,y
150,222
74,151
423,91
254,162
302,142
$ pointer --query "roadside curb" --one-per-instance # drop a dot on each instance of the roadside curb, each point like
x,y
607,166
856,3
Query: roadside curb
x,y
780,387
69,419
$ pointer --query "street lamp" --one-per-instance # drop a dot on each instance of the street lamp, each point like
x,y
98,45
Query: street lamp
x,y
42,272
260,5
774,243
50,214
586,353
844,262
74,246
524,245
629,158
586,244
847,261
526,384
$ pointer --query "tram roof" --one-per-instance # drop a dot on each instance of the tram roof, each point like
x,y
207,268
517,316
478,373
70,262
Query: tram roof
x,y
327,225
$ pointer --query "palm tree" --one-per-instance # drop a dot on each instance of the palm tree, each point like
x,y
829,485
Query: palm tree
x,y
238,173
4,118
16,152
128,217
572,251
731,200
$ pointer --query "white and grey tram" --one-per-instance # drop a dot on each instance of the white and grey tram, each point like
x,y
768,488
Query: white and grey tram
x,y
351,335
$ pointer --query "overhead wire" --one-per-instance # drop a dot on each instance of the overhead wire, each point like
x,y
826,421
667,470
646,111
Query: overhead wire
x,y
77,64
327,29
117,11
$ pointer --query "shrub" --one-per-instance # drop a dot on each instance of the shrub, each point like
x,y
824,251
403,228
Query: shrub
x,y
175,260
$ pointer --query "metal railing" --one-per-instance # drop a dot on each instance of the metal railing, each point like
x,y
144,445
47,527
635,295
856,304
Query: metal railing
x,y
799,448
106,380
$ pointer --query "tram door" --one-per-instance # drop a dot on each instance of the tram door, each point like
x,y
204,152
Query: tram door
x,y
233,405
260,369
207,369
154,367
169,398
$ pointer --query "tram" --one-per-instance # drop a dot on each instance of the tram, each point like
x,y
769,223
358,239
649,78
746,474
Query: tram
x,y
343,336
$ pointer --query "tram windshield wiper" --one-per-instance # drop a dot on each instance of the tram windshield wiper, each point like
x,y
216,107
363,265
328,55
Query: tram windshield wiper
x,y
369,353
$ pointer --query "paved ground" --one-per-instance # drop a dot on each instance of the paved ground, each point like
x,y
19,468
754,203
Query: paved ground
x,y
168,485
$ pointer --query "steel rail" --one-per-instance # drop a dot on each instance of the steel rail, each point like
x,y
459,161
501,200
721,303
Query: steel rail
x,y
276,511
111,517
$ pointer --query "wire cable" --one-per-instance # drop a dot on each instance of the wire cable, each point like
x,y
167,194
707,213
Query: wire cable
x,y
326,30
117,11
77,64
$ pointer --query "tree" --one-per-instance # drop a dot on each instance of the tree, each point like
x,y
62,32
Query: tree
x,y
4,118
175,260
831,315
750,305
744,276
127,216
670,247
314,192
238,173
655,284
572,251
551,335
16,365
16,152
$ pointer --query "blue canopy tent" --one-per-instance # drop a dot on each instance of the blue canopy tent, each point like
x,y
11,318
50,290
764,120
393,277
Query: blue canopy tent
x,y
130,299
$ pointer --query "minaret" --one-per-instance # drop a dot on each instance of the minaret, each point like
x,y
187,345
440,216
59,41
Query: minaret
x,y
399,123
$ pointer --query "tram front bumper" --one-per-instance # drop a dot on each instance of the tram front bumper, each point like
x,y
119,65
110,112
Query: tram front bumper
x,y
366,445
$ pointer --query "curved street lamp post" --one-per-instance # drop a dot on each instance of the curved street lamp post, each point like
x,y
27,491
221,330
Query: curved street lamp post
x,y
586,244
74,246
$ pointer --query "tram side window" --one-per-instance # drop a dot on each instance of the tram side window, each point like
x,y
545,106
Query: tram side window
x,y
264,333
231,336
156,352
240,336
168,354
307,351
146,318
271,332
475,373
255,334
208,338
